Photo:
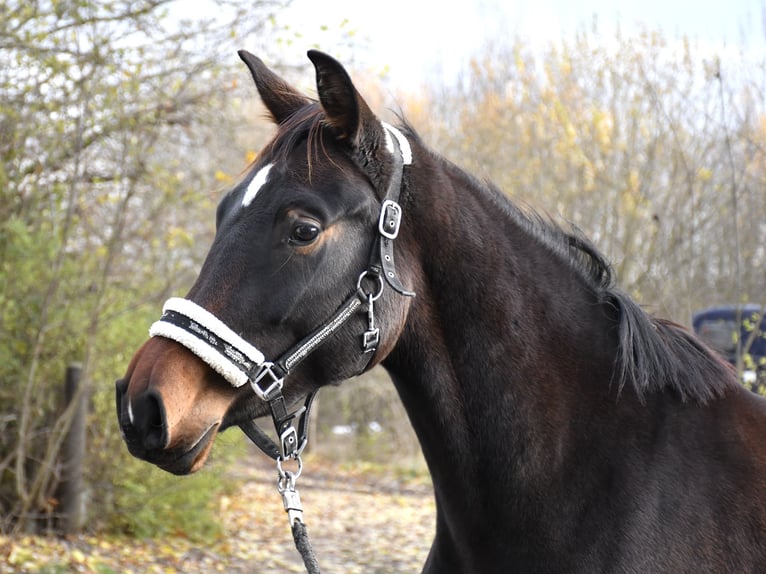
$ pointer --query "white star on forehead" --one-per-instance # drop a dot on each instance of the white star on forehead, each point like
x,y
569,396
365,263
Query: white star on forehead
x,y
258,181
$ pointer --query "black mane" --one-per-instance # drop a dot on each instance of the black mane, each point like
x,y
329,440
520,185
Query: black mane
x,y
653,353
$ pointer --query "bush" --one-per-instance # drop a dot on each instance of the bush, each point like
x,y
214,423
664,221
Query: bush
x,y
149,503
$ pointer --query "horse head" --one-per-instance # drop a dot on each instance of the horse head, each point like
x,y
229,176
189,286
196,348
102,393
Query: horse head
x,y
293,242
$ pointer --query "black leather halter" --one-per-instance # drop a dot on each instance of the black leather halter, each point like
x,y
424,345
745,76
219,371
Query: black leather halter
x,y
200,329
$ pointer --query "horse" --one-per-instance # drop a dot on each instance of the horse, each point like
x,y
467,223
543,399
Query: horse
x,y
564,427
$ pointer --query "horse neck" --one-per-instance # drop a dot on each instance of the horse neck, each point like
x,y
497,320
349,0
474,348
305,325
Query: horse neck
x,y
491,365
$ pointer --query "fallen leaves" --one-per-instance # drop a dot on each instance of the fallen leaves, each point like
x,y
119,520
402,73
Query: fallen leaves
x,y
359,520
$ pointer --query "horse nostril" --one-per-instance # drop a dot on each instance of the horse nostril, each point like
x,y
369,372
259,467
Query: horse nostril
x,y
121,386
148,419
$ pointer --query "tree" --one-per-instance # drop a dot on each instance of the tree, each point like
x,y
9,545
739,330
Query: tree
x,y
654,148
110,116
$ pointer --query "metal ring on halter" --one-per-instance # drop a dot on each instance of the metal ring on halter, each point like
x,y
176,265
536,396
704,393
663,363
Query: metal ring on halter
x,y
377,295
288,475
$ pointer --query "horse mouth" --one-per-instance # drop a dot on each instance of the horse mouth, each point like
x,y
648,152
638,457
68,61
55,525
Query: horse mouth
x,y
189,461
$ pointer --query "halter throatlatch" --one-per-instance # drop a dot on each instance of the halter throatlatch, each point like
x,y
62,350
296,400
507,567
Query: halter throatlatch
x,y
240,362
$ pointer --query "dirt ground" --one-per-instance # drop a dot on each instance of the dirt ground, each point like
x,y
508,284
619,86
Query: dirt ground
x,y
358,521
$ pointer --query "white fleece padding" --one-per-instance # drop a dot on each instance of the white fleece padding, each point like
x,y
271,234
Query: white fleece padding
x,y
221,363
404,145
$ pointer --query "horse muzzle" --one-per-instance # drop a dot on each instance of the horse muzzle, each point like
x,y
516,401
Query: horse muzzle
x,y
144,429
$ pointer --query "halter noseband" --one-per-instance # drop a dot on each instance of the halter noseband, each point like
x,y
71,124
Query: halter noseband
x,y
240,362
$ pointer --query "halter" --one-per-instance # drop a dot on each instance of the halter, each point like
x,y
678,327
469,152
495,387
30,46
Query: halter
x,y
240,362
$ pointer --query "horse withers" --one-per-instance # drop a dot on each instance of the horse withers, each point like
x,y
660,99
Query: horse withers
x,y
564,428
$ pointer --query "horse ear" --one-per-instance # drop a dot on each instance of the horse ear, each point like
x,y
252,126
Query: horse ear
x,y
279,97
345,109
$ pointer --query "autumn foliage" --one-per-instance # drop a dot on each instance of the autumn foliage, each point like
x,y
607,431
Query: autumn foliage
x,y
118,136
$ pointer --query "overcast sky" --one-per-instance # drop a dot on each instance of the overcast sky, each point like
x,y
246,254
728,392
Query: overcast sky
x,y
416,39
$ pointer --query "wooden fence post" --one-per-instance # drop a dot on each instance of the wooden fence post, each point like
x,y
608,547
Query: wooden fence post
x,y
73,451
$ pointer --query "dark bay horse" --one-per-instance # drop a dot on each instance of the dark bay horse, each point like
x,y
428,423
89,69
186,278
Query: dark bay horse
x,y
565,429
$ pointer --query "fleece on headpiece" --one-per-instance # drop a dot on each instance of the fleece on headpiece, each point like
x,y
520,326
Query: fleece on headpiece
x,y
404,145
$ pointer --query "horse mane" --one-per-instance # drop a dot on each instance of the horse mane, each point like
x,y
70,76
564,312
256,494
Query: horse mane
x,y
653,353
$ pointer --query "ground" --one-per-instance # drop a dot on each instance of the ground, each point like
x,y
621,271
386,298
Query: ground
x,y
358,521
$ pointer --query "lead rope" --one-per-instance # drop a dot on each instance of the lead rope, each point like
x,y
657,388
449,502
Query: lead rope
x,y
292,503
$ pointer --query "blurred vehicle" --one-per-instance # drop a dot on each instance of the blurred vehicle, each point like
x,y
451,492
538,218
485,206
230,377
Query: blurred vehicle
x,y
743,346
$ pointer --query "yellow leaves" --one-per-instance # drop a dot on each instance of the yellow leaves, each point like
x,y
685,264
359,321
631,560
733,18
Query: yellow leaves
x,y
177,237
226,179
493,106
418,109
704,174
223,177
78,557
224,503
632,200
19,554
521,64
603,124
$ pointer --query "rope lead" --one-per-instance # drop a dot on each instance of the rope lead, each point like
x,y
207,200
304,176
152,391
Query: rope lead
x,y
301,538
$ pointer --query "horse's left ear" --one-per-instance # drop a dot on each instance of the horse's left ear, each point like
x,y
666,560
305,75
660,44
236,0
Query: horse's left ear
x,y
345,109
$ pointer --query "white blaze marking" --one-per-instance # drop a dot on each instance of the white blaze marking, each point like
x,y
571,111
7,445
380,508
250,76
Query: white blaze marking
x,y
256,184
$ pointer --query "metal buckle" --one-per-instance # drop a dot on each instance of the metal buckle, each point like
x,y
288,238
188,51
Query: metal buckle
x,y
371,336
390,219
370,340
276,382
289,442
363,276
286,487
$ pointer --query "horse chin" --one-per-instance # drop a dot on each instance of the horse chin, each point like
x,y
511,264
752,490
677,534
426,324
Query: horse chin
x,y
247,408
193,459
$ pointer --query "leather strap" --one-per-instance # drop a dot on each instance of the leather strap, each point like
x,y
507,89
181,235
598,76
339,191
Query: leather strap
x,y
282,422
391,217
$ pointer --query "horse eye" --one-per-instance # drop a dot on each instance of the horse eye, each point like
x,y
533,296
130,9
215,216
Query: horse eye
x,y
303,233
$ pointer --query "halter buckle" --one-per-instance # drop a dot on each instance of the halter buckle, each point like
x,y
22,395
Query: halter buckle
x,y
289,443
275,382
371,336
390,219
370,340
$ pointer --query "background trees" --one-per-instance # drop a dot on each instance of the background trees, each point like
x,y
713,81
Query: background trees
x,y
112,118
654,148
